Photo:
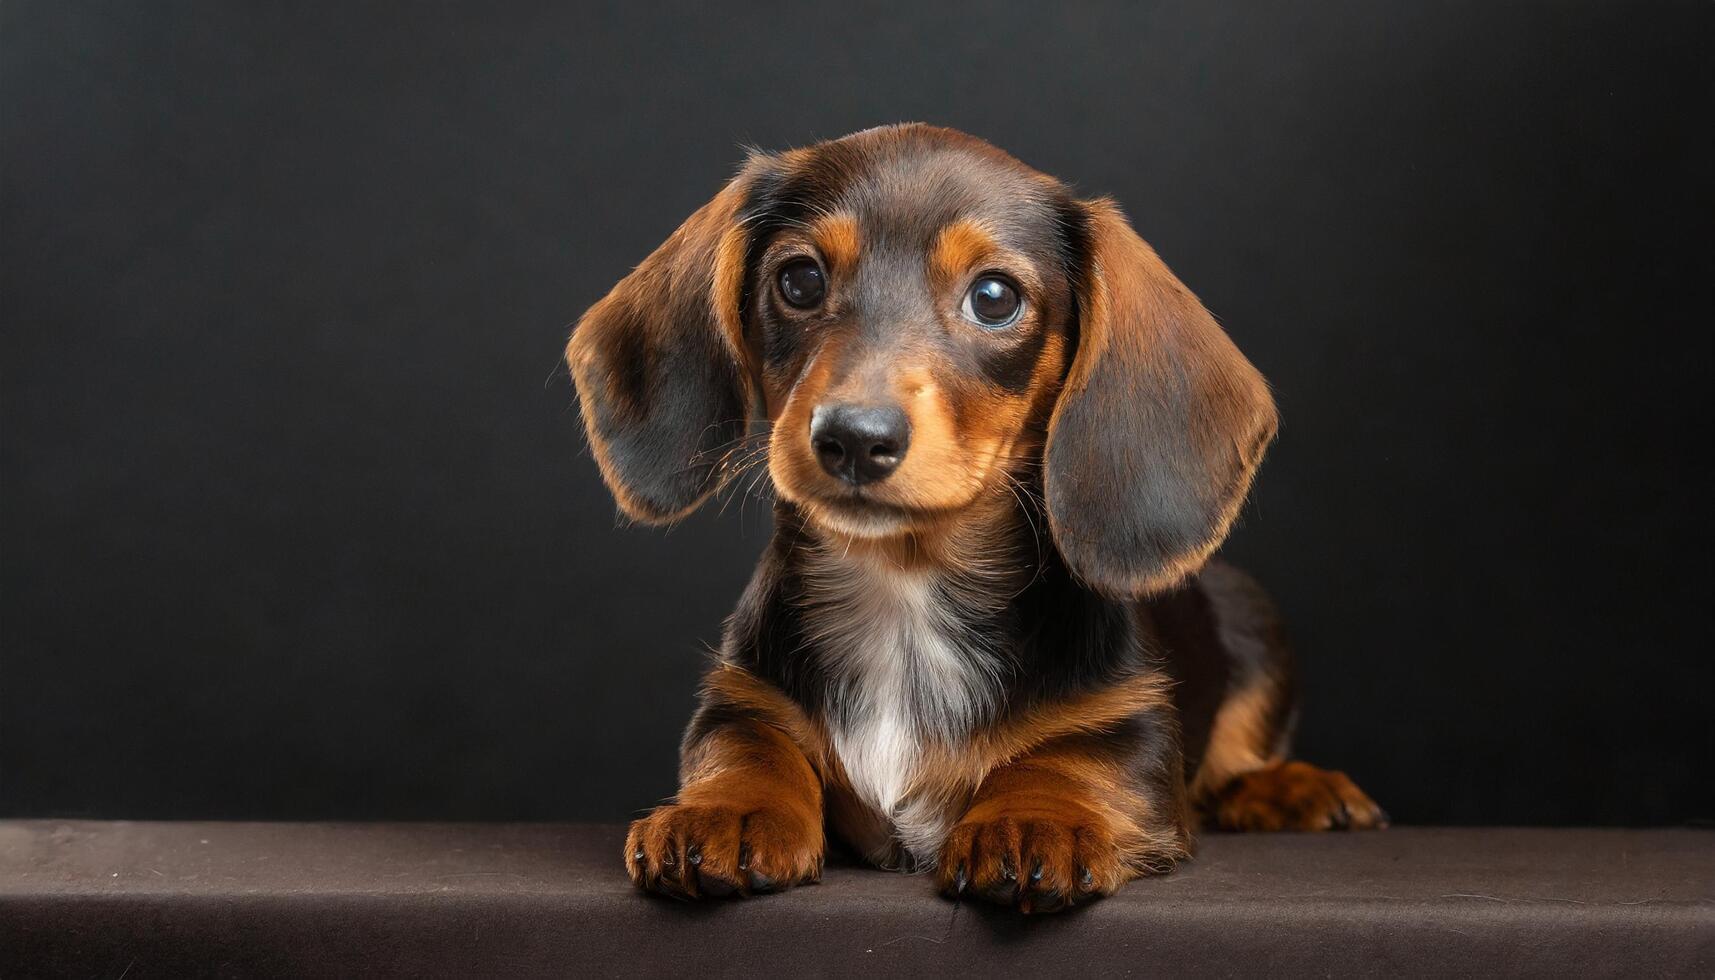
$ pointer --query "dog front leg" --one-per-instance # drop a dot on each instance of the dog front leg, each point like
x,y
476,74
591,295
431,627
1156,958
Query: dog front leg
x,y
747,818
1068,821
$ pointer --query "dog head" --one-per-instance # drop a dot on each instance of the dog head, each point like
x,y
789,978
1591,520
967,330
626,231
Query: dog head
x,y
921,318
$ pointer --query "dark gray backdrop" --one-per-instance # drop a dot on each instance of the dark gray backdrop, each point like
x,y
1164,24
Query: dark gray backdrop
x,y
297,522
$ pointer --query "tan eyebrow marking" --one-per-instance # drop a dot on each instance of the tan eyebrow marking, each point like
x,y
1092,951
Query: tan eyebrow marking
x,y
837,236
959,248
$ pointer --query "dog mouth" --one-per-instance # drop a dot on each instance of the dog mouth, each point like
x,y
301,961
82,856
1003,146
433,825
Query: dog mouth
x,y
859,515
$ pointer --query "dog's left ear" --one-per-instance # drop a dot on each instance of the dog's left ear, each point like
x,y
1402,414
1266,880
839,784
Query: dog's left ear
x,y
660,363
1160,425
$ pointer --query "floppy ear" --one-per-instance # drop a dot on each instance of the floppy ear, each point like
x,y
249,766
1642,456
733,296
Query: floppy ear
x,y
660,364
1159,427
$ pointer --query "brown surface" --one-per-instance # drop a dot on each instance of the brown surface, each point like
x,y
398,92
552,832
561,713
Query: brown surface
x,y
153,899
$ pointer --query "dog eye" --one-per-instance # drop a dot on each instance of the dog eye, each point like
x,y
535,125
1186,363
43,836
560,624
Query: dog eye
x,y
801,284
992,302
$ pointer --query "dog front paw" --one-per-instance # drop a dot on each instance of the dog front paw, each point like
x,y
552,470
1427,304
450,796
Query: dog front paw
x,y
712,850
1036,863
1294,796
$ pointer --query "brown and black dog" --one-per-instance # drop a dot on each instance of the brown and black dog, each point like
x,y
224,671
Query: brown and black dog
x,y
987,638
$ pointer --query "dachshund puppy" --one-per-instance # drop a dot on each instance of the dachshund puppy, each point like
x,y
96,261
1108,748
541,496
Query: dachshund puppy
x,y
987,638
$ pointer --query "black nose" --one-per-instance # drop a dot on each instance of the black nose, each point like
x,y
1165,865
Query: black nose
x,y
858,444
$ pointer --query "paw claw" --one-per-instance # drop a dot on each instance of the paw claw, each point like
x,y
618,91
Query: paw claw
x,y
1035,865
705,849
1003,894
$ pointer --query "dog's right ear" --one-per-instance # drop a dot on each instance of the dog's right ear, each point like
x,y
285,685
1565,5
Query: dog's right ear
x,y
661,367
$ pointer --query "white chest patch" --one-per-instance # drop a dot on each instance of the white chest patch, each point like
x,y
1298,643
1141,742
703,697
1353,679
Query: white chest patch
x,y
905,671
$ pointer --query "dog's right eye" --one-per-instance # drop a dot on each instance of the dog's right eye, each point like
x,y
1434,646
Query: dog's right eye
x,y
801,284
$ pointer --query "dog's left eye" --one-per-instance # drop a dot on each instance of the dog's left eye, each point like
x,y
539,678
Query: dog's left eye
x,y
993,302
802,284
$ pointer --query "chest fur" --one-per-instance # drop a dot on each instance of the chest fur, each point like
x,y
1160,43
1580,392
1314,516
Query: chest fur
x,y
909,670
